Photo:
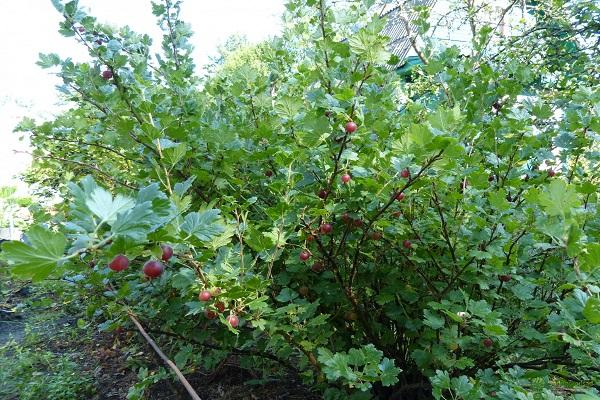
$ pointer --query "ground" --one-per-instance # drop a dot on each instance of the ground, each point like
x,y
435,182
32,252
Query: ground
x,y
49,351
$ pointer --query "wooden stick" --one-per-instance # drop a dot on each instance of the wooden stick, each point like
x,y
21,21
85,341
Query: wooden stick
x,y
162,355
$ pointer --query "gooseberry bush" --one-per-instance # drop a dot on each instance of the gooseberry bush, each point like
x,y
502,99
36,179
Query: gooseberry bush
x,y
310,210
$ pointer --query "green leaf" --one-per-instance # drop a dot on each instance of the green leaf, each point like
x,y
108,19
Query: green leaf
x,y
590,260
38,259
102,204
433,320
205,224
48,60
559,198
591,311
389,372
183,279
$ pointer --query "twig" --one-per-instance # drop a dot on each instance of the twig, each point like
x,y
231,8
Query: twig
x,y
162,355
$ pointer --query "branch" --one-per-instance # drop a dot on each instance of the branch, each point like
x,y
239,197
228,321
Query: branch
x,y
162,355
391,201
105,174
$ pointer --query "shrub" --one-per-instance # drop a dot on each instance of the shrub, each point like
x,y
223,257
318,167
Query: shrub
x,y
472,276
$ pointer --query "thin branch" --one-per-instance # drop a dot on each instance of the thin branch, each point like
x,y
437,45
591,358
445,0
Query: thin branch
x,y
66,160
162,355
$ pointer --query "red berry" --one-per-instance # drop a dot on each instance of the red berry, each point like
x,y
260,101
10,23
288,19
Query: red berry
x,y
397,214
326,229
304,255
376,235
220,306
210,314
551,173
405,173
268,173
317,267
358,223
153,269
505,278
323,194
107,74
400,196
310,238
345,178
233,320
487,342
81,29
346,218
351,127
167,252
407,244
119,263
204,295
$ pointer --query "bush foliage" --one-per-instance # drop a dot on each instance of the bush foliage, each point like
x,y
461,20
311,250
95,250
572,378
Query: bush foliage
x,y
458,256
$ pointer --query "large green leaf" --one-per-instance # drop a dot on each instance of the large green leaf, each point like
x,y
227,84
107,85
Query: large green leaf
x,y
591,311
559,198
205,224
38,259
103,205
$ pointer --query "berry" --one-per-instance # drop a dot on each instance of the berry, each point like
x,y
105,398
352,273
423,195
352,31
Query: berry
x,y
210,314
119,263
400,196
358,223
310,238
220,306
487,342
233,320
351,127
99,42
346,218
323,194
204,295
551,173
304,255
505,278
268,173
405,173
345,178
81,29
407,244
326,229
491,178
153,269
304,291
376,235
167,252
397,214
317,267
107,74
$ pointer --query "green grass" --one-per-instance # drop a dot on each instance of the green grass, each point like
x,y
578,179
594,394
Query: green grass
x,y
43,364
